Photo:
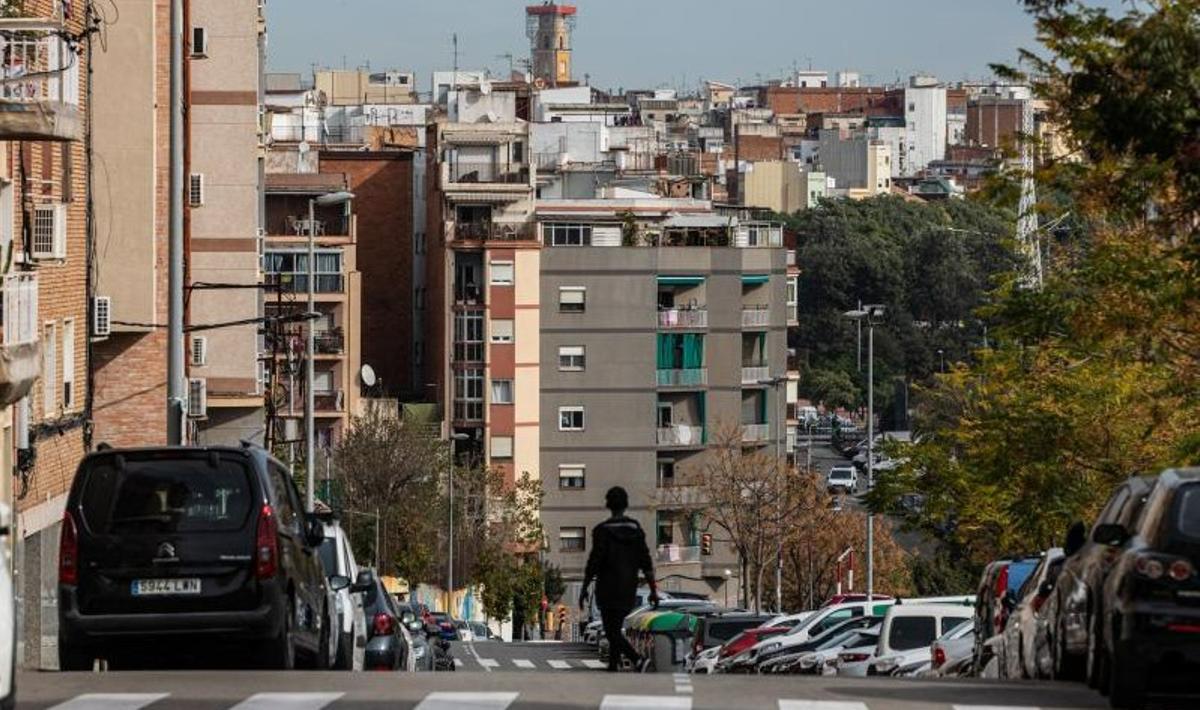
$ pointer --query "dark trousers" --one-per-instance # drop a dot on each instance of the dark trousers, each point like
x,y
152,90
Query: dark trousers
x,y
617,644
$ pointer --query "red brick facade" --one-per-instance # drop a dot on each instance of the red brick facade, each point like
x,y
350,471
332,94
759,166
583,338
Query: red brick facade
x,y
871,100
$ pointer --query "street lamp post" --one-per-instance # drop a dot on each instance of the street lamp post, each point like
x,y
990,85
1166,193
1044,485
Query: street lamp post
x,y
454,436
872,314
310,447
780,429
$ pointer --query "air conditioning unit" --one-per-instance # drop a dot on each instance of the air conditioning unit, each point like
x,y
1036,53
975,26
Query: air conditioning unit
x,y
101,316
199,351
197,407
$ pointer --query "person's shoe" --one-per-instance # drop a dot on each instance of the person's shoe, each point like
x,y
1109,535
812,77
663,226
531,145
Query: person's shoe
x,y
643,665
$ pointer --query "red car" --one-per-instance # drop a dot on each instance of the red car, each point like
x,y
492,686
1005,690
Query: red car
x,y
748,638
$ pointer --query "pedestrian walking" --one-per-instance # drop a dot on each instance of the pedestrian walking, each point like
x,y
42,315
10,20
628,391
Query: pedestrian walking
x,y
618,553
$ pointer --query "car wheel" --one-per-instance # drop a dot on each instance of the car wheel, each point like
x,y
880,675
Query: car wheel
x,y
321,656
345,653
280,652
1125,685
1066,666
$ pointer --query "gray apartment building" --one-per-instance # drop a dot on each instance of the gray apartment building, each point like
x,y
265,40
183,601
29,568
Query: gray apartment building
x,y
660,321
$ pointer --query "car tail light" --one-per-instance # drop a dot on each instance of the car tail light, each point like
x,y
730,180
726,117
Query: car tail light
x,y
383,624
1000,590
939,657
1150,567
855,657
1180,570
266,544
68,551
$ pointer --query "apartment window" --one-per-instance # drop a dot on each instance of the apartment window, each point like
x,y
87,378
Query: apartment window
x,y
502,331
50,231
518,152
68,358
572,299
323,382
196,189
468,336
502,391
570,418
572,539
49,369
289,270
572,358
502,447
666,473
793,302
468,394
571,476
199,42
568,235
502,273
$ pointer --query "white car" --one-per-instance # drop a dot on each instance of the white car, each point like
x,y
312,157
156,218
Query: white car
x,y
351,627
842,478
949,653
819,622
853,661
705,661
8,618
908,632
824,660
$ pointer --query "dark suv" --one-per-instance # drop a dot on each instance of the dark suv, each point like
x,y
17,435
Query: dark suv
x,y
1151,600
167,549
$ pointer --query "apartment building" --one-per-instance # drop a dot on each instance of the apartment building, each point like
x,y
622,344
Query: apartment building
x,y
860,165
43,234
225,169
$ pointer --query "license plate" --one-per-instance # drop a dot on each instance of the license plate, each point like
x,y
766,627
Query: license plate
x,y
151,587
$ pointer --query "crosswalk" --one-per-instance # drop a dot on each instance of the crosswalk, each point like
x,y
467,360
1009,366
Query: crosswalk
x,y
448,701
528,664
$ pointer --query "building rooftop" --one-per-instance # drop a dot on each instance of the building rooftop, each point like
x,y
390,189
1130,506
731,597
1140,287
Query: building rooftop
x,y
305,183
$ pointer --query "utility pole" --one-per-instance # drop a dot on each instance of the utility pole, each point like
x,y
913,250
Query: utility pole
x,y
870,454
310,444
176,388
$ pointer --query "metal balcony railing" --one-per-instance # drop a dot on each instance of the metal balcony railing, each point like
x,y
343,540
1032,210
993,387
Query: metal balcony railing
x,y
491,232
681,435
484,173
39,84
298,283
694,377
752,433
679,554
329,401
683,318
752,374
756,317
331,342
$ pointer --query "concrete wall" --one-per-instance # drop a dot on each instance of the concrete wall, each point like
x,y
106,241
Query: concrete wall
x,y
925,119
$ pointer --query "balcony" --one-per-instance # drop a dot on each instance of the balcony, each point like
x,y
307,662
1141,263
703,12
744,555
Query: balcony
x,y
298,283
485,173
491,232
753,374
755,433
672,318
756,317
329,402
39,84
331,342
681,436
677,554
20,356
694,377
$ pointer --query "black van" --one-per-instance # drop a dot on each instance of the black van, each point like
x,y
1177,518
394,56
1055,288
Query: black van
x,y
168,550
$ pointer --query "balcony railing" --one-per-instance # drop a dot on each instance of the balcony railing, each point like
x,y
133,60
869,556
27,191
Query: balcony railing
x,y
678,554
298,283
752,433
683,318
331,342
681,435
756,317
752,374
694,377
491,232
39,86
463,172
329,401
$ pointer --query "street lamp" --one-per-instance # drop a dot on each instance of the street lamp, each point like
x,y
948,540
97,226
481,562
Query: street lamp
x,y
942,360
775,383
872,315
333,198
728,575
454,436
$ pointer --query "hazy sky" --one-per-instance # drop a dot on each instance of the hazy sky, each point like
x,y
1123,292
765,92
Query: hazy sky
x,y
651,43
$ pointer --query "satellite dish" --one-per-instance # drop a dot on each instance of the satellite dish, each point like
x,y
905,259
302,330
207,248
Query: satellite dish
x,y
304,147
367,373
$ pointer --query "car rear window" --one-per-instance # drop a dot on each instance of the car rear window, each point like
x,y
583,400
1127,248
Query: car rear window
x,y
166,495
909,632
839,474
1187,521
329,555
727,629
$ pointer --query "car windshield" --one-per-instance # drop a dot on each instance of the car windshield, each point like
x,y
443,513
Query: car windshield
x,y
328,551
839,474
909,632
1188,519
166,495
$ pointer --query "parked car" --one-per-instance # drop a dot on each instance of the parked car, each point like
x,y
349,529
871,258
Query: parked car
x,y
703,662
465,633
1018,657
481,632
8,617
950,655
734,655
718,628
446,626
388,643
822,659
788,620
781,660
908,632
411,616
337,557
1150,606
993,600
842,479
171,549
851,597
853,660
1072,606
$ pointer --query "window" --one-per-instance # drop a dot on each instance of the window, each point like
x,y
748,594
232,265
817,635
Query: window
x,y
666,473
49,369
68,349
518,152
196,189
571,476
468,394
502,447
571,358
323,382
568,235
502,391
909,632
502,273
468,336
572,299
289,270
793,303
199,42
50,231
572,539
502,331
570,418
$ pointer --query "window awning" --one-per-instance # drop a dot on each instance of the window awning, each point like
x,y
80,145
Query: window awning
x,y
488,198
755,279
681,280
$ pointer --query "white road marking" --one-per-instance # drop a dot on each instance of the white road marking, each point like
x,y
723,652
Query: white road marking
x,y
458,663
594,664
486,667
489,663
559,665
523,663
287,701
683,683
467,701
645,702
820,705
996,707
110,701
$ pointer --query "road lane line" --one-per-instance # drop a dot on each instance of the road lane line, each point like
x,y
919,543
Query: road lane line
x,y
110,701
646,702
458,663
820,705
559,665
594,664
467,701
523,663
996,707
486,667
287,701
489,663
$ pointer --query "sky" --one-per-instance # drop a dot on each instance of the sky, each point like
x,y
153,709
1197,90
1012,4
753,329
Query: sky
x,y
659,43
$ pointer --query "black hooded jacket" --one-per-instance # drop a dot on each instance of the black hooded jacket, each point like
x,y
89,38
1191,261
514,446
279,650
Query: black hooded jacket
x,y
619,552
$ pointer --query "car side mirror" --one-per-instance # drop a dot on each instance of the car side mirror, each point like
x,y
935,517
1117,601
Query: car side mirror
x,y
362,583
1111,534
338,582
314,532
